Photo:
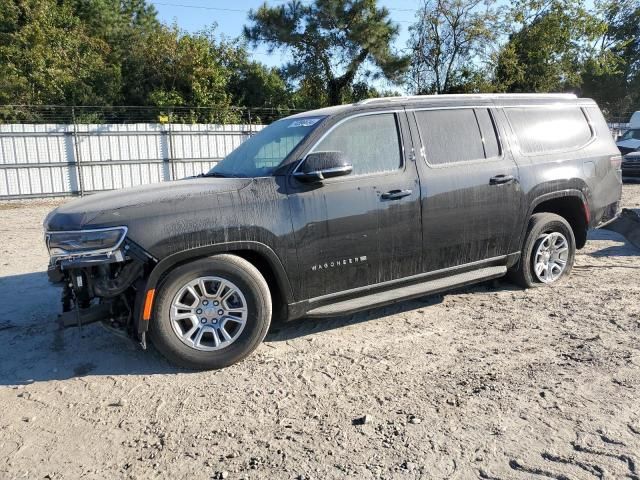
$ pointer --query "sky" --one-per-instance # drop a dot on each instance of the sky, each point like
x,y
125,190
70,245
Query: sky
x,y
231,16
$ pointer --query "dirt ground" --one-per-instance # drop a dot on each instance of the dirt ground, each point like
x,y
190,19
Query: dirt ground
x,y
490,382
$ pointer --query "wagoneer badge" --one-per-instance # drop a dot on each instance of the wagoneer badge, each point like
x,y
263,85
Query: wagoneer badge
x,y
339,263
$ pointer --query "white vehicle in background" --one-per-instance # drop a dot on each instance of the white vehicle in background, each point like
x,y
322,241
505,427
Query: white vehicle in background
x,y
629,141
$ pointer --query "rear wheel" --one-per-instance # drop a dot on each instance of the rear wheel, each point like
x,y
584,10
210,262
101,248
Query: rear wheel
x,y
211,313
548,252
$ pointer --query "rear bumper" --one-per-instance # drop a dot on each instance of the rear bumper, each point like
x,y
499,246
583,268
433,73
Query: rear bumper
x,y
611,212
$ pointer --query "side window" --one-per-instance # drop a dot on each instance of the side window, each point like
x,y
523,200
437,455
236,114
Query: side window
x,y
370,142
549,129
457,135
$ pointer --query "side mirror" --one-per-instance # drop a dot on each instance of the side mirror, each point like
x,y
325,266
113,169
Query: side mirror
x,y
321,165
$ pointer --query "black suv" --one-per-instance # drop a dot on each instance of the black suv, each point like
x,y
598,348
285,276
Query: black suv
x,y
338,210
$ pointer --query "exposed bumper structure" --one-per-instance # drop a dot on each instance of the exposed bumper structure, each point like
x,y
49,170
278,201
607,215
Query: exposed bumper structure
x,y
103,284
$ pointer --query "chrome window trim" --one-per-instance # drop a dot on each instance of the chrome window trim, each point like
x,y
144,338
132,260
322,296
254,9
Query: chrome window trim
x,y
88,252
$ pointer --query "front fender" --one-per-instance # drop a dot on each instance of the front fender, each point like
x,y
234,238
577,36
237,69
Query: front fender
x,y
168,263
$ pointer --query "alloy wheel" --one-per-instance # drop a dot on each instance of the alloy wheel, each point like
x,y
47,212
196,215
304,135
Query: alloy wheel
x,y
551,256
208,313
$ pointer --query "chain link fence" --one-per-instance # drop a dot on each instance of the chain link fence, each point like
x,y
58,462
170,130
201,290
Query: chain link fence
x,y
63,114
51,151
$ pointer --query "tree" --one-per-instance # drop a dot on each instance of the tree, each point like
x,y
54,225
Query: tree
x,y
449,36
168,68
549,44
48,57
331,42
253,84
612,76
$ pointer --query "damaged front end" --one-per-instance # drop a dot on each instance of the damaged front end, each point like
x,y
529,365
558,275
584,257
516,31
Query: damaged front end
x,y
102,276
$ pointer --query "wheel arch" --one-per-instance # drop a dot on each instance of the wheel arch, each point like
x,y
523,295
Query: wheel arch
x,y
259,255
570,205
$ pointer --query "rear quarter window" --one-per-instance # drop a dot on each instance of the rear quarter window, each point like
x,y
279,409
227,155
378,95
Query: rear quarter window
x,y
542,130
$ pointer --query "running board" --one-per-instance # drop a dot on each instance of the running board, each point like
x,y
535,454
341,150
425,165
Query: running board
x,y
407,292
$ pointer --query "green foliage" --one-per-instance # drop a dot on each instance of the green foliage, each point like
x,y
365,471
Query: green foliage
x,y
168,68
612,75
47,56
547,53
445,41
331,42
253,84
116,52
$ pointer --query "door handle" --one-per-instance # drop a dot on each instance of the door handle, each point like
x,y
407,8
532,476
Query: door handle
x,y
396,194
501,179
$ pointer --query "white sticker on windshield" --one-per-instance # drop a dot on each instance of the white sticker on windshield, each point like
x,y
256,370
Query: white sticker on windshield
x,y
304,122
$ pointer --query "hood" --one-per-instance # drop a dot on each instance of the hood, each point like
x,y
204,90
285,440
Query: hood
x,y
629,144
120,207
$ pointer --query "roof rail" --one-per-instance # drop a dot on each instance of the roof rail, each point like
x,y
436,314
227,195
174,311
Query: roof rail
x,y
467,95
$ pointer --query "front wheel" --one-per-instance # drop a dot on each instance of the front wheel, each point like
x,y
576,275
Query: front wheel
x,y
548,252
211,313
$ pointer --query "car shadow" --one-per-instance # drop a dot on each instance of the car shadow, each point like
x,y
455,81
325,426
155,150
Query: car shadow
x,y
282,332
625,230
36,349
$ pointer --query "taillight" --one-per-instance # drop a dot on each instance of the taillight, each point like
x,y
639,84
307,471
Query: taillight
x,y
587,211
616,162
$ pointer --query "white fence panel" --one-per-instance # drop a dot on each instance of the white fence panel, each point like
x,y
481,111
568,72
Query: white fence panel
x,y
55,160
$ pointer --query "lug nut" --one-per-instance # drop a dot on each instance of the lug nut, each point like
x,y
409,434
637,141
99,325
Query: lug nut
x,y
220,312
204,320
199,311
205,302
216,303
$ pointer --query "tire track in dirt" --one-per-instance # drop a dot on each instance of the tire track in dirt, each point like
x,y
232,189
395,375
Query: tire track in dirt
x,y
599,455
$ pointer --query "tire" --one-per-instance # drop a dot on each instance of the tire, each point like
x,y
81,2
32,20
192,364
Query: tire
x,y
246,326
540,226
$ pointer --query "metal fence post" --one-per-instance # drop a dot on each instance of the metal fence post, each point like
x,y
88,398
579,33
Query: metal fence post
x,y
172,172
76,149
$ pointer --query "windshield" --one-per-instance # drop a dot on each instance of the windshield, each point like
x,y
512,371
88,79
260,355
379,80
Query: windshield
x,y
262,154
631,135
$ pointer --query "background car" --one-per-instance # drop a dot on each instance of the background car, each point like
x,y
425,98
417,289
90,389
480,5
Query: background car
x,y
631,164
629,141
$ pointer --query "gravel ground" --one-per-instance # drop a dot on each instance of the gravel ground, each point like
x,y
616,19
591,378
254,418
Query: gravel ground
x,y
489,382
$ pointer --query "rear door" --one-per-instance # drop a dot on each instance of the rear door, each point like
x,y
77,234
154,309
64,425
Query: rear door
x,y
471,196
363,228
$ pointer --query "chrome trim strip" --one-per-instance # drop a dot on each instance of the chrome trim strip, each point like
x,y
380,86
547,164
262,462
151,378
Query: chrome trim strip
x,y
474,96
409,279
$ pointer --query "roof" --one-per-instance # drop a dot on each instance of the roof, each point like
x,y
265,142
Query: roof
x,y
327,111
472,96
435,99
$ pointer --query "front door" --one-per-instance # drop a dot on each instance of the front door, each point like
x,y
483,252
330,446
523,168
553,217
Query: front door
x,y
471,196
363,228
